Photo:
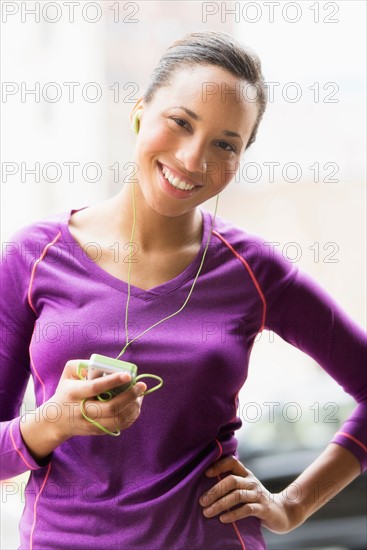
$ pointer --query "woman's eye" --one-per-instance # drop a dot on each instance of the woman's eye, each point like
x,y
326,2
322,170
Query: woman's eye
x,y
222,144
181,122
226,146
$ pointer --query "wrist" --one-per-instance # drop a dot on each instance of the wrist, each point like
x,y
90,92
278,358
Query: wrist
x,y
40,434
53,423
292,506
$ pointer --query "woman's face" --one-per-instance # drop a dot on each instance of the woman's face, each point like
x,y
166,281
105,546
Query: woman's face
x,y
193,132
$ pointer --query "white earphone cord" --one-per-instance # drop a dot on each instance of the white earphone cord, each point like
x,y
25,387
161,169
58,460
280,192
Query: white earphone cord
x,y
128,278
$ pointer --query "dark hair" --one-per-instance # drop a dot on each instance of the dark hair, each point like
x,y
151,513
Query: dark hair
x,y
211,48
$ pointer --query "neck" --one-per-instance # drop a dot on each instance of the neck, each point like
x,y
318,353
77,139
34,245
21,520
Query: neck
x,y
154,231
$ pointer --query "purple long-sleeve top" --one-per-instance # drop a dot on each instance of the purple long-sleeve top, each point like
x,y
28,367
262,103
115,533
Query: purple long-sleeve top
x,y
140,491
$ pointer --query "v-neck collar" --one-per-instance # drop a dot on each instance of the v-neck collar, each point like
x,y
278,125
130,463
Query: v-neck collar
x,y
95,270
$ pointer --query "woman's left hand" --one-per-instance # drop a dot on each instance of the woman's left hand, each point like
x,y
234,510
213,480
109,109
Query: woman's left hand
x,y
242,487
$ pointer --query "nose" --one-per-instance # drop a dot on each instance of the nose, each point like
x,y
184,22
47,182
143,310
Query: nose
x,y
193,157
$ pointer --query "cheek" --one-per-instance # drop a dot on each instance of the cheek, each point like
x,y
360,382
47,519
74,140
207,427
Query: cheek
x,y
156,138
225,173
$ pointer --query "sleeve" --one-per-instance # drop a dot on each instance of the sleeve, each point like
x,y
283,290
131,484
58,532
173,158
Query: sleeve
x,y
304,314
17,321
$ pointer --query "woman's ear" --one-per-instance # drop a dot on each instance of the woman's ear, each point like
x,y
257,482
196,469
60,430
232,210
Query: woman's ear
x,y
135,123
136,115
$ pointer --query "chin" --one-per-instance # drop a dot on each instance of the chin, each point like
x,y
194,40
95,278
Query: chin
x,y
162,203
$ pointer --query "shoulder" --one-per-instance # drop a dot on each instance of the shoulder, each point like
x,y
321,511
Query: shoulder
x,y
27,244
257,253
251,246
229,233
40,229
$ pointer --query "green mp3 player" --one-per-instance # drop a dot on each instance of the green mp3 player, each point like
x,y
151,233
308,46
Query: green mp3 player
x,y
101,365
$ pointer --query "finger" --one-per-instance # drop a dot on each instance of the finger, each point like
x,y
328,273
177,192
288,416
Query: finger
x,y
228,464
139,388
75,367
135,392
91,388
251,509
128,414
94,410
71,369
123,406
132,397
231,499
220,489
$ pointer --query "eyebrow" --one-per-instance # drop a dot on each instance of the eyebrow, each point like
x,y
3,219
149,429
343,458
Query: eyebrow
x,y
193,115
189,112
231,134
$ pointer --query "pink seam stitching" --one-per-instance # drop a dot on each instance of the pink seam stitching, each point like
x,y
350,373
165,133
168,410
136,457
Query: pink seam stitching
x,y
353,439
258,288
35,265
16,448
29,295
35,506
255,281
233,523
37,375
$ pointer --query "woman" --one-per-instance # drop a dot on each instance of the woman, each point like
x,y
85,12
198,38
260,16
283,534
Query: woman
x,y
155,293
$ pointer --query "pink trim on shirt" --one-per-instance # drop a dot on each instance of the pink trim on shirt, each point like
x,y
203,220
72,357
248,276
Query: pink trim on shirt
x,y
35,265
16,448
353,439
256,283
233,523
37,375
35,506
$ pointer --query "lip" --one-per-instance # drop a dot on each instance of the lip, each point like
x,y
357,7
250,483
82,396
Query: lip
x,y
170,189
180,175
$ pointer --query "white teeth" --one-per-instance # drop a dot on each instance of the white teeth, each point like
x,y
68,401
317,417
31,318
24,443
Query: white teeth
x,y
175,181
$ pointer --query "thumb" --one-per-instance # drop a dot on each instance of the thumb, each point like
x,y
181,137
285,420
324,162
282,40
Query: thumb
x,y
74,369
228,464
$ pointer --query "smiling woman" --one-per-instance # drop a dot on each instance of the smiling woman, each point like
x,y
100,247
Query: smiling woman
x,y
172,478
179,134
183,153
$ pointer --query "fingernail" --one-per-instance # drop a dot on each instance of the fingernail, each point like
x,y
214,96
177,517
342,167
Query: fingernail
x,y
222,519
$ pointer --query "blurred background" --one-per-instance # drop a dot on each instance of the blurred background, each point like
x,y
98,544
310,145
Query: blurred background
x,y
71,74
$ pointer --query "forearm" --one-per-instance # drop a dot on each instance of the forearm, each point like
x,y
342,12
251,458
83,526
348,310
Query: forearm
x,y
333,470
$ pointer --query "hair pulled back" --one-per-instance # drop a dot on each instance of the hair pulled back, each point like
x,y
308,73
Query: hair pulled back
x,y
211,48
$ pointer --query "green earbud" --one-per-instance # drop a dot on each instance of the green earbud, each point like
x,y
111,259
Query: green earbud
x,y
136,120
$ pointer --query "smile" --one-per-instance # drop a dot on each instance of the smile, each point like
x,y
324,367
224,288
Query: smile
x,y
175,181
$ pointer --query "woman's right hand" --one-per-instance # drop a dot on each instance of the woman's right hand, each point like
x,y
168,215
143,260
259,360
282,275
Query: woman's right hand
x,y
45,431
120,412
